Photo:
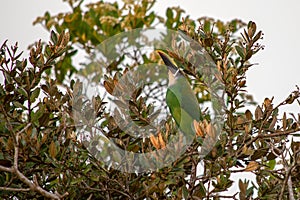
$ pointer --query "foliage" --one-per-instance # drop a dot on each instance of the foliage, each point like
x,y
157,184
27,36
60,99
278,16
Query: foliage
x,y
42,157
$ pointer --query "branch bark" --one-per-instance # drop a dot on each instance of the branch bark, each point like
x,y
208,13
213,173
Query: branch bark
x,y
33,185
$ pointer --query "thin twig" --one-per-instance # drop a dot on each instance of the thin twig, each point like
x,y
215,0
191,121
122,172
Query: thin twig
x,y
225,197
193,175
15,189
285,182
288,178
276,134
6,169
290,188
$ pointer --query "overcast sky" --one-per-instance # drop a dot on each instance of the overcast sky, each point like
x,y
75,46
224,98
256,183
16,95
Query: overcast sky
x,y
278,70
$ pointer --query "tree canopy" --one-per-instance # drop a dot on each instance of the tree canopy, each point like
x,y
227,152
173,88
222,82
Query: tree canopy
x,y
48,142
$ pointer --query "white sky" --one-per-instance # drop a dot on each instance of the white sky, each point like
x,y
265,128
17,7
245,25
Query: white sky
x,y
278,70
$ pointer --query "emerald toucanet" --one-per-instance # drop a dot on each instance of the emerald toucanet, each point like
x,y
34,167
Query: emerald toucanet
x,y
180,98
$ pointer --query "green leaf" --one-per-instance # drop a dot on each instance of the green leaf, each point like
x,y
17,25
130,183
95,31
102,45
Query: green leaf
x,y
169,13
259,153
240,51
77,180
38,114
53,37
48,52
95,178
251,29
22,91
151,18
200,190
185,192
257,36
207,26
34,94
19,105
271,164
249,54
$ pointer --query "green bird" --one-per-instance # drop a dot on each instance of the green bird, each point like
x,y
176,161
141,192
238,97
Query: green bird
x,y
180,98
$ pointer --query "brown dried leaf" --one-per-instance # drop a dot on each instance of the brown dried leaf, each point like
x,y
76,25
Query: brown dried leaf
x,y
247,151
295,146
258,113
244,149
109,87
9,144
248,115
284,122
242,83
243,188
291,98
240,120
253,165
248,127
52,150
214,152
251,29
208,42
161,141
29,131
198,129
211,131
154,141
274,120
268,103
44,138
167,130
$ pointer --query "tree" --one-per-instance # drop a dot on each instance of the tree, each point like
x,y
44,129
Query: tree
x,y
42,154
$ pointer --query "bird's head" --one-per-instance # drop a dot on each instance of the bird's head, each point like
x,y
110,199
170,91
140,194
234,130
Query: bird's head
x,y
174,72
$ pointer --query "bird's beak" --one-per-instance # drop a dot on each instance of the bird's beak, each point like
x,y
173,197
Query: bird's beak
x,y
167,60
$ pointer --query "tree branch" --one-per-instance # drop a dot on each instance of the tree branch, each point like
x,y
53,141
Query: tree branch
x,y
288,178
276,134
15,189
6,169
33,185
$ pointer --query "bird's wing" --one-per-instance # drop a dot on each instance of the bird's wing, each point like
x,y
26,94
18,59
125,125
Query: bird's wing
x,y
180,98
